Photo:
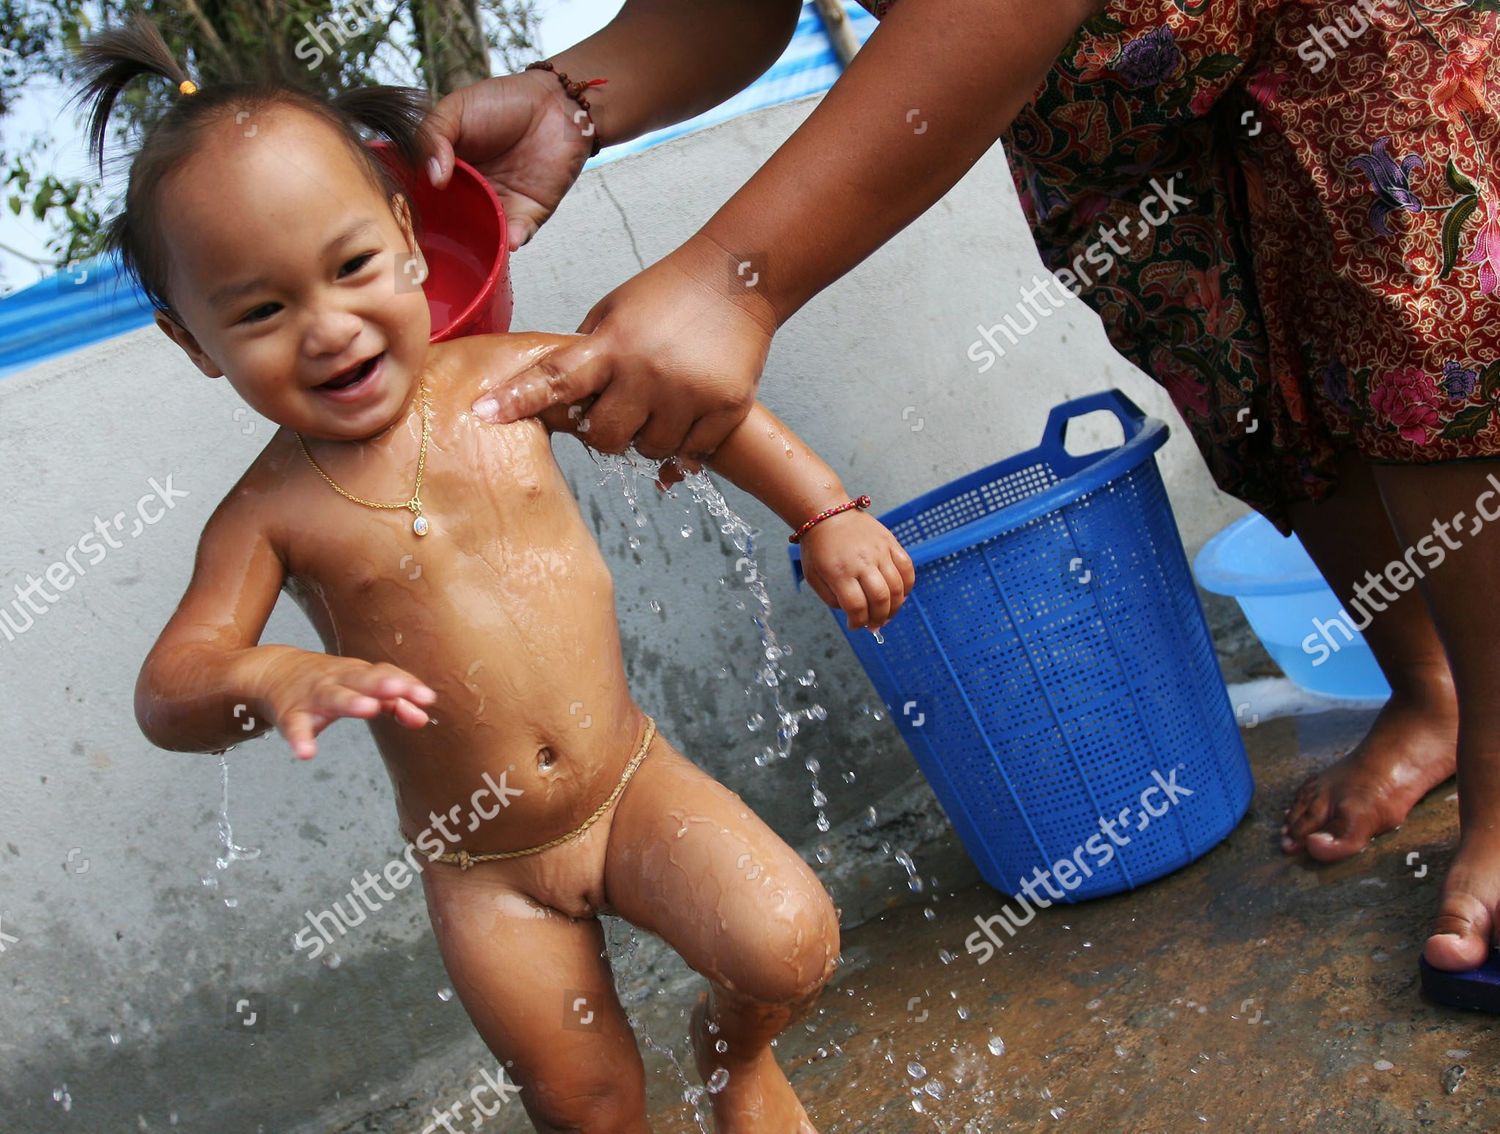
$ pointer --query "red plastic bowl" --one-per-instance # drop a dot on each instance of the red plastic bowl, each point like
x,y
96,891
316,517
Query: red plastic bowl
x,y
464,239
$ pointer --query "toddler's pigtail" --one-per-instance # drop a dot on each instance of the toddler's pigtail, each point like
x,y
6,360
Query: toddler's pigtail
x,y
113,58
392,113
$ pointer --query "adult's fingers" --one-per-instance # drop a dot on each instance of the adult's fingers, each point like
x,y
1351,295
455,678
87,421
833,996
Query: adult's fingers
x,y
663,434
710,430
437,135
566,375
617,415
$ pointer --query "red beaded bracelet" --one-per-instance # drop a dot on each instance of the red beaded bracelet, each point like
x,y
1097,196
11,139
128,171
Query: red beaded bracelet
x,y
574,90
858,502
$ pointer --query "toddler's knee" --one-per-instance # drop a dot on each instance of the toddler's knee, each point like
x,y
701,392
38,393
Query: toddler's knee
x,y
797,953
610,1106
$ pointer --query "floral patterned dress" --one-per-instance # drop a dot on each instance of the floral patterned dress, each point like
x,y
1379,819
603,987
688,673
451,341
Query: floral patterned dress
x,y
1334,281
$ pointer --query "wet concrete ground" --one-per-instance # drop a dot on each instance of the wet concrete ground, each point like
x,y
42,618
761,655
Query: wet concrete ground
x,y
1248,991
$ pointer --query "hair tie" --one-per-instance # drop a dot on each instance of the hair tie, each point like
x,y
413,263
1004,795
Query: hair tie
x,y
187,87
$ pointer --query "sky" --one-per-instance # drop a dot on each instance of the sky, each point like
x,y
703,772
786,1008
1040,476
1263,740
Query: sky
x,y
40,110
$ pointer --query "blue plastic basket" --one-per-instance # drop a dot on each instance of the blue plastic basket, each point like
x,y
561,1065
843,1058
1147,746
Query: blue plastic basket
x,y
1052,657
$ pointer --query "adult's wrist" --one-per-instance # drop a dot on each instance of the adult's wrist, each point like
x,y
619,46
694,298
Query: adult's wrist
x,y
741,275
599,121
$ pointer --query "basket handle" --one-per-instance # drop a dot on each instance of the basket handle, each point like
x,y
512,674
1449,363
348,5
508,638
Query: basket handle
x,y
1132,418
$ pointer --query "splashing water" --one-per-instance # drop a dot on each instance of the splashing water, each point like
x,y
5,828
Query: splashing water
x,y
631,468
231,852
622,942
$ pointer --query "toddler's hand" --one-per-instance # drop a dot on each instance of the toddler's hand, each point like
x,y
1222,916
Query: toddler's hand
x,y
853,562
305,692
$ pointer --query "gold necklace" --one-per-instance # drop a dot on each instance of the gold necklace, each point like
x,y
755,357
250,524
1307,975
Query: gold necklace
x,y
419,525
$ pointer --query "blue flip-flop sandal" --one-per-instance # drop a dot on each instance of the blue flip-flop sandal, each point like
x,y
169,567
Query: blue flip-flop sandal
x,y
1478,989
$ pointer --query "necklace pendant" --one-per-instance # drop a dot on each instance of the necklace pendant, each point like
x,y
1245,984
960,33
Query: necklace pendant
x,y
420,525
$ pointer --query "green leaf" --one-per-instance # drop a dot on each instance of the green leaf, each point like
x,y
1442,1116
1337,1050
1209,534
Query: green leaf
x,y
1453,229
1484,5
1469,422
1489,381
15,204
1461,184
1219,64
1103,24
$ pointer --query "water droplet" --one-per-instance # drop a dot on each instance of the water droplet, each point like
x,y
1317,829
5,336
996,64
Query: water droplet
x,y
655,606
445,994
945,956
996,1045
808,678
812,765
686,531
718,1081
114,1038
332,961
872,816
819,799
754,722
848,777
721,1046
913,879
1057,1112
823,824
934,1087
232,903
824,855
916,1070
1383,1065
930,914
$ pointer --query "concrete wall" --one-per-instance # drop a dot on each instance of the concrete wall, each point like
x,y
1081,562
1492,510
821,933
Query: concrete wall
x,y
122,978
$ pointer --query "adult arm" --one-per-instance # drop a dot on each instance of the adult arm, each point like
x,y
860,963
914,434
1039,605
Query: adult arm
x,y
665,60
928,94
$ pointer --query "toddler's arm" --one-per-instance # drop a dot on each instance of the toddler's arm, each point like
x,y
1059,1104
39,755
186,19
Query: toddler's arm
x,y
851,560
206,684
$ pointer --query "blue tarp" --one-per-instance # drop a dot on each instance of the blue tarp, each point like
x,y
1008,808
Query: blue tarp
x,y
96,301
89,302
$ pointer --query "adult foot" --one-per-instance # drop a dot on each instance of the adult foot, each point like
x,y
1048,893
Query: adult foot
x,y
1466,920
1411,748
748,1096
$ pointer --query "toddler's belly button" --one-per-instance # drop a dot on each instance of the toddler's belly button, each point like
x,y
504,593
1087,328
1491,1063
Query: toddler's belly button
x,y
545,759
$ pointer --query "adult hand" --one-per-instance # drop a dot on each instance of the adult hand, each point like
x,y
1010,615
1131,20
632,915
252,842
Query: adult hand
x,y
523,133
673,356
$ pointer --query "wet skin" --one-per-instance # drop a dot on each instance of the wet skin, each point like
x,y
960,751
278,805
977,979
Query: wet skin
x,y
484,653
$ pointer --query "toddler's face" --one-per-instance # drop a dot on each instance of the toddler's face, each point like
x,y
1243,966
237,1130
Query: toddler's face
x,y
292,276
